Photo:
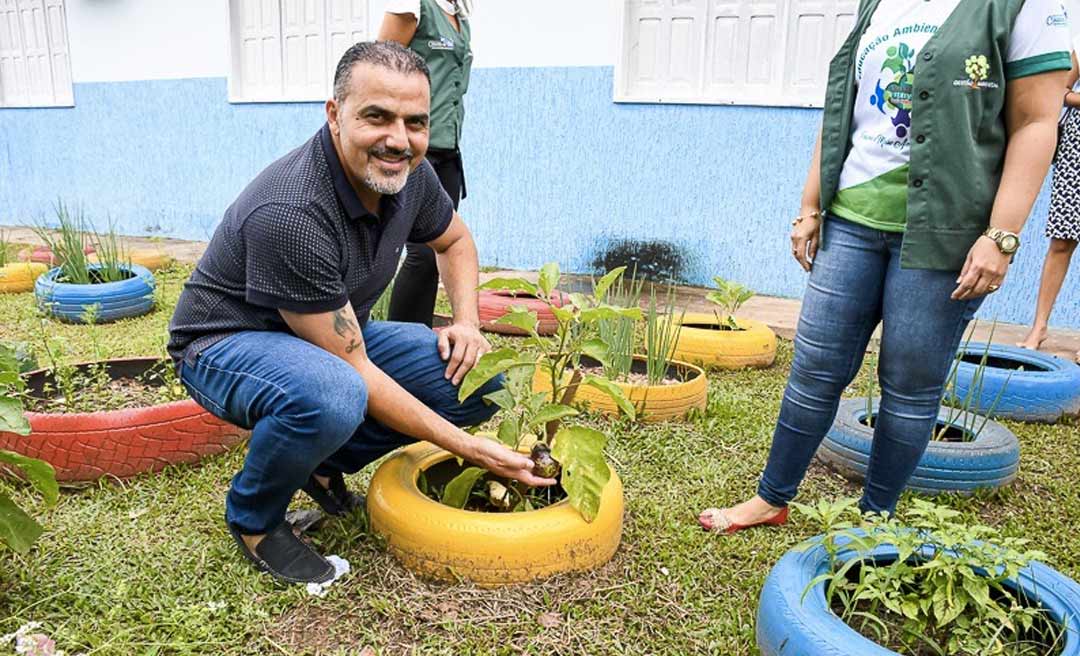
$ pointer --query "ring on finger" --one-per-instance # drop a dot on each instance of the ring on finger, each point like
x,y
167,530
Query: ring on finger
x,y
993,288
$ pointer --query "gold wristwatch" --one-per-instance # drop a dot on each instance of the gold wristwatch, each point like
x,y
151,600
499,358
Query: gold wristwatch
x,y
1007,242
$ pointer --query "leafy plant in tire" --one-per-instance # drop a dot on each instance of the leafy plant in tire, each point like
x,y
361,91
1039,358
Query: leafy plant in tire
x,y
945,593
17,529
533,419
729,296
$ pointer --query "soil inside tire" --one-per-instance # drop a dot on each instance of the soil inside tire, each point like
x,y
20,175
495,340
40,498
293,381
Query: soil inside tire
x,y
97,279
102,386
638,375
434,479
1002,363
713,326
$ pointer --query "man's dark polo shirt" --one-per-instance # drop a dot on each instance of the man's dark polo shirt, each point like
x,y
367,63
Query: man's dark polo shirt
x,y
298,238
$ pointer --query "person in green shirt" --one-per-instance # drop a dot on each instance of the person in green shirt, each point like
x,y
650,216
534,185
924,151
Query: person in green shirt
x,y
939,127
439,31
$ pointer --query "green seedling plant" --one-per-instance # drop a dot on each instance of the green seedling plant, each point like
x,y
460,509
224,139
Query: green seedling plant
x,y
68,244
114,262
18,530
574,454
661,335
5,246
729,296
973,418
620,333
380,311
945,593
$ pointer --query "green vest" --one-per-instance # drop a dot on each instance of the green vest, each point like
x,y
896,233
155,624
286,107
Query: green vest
x,y
957,130
449,57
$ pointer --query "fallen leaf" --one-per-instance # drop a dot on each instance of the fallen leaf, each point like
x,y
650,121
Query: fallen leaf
x,y
549,620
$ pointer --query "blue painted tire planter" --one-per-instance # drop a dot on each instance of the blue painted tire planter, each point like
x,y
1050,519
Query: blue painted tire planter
x,y
116,300
989,461
1046,389
790,625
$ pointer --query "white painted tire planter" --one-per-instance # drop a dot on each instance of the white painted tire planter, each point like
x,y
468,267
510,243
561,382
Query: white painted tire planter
x,y
990,461
789,624
115,300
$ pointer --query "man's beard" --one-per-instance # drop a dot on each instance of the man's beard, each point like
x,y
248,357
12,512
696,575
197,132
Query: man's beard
x,y
379,181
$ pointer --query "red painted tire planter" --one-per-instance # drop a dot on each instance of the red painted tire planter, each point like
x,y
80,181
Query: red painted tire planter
x,y
84,447
44,255
494,304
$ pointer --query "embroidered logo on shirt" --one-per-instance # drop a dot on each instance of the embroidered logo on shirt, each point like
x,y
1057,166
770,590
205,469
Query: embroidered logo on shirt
x,y
442,43
977,69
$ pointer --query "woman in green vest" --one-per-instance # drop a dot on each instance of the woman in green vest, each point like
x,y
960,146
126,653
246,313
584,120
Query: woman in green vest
x,y
438,30
939,126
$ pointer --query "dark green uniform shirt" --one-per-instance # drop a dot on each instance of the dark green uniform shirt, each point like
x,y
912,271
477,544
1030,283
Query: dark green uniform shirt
x,y
449,56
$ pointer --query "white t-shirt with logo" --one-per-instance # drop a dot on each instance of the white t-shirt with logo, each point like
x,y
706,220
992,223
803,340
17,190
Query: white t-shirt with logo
x,y
455,7
873,182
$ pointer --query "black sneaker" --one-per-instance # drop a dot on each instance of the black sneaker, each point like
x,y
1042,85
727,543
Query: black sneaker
x,y
286,557
336,499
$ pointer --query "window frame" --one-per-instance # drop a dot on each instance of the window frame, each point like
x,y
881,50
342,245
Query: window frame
x,y
62,90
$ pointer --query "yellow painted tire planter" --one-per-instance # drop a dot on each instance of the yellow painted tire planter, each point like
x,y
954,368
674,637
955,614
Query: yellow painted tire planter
x,y
489,549
20,276
145,257
653,403
725,349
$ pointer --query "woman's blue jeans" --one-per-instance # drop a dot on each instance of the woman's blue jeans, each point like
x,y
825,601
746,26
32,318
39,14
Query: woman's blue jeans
x,y
306,408
856,282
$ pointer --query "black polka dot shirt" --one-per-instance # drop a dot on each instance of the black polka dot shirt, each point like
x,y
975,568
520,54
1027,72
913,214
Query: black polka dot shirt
x,y
299,239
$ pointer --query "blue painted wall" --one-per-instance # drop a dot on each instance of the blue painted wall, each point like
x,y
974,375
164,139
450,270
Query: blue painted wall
x,y
555,170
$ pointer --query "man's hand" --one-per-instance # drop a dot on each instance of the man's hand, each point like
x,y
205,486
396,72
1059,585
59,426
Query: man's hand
x,y
502,461
461,345
983,272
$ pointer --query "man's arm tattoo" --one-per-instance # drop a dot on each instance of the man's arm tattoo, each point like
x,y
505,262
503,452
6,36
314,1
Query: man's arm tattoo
x,y
346,326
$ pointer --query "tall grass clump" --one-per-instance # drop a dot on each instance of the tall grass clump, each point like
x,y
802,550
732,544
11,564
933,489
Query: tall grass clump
x,y
661,335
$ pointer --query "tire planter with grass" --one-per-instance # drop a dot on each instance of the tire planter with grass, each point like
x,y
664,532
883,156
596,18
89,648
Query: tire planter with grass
x,y
84,447
488,549
20,276
704,342
958,464
70,302
653,403
791,624
495,304
1019,384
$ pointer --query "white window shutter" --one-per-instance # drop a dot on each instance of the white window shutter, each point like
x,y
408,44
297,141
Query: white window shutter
x,y
13,74
816,30
760,52
346,24
745,46
256,34
36,50
664,47
303,30
56,21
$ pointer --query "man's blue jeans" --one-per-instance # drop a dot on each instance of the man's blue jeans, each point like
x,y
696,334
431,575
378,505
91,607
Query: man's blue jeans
x,y
856,281
306,408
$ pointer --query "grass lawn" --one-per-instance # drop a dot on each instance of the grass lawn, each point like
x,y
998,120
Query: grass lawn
x,y
145,566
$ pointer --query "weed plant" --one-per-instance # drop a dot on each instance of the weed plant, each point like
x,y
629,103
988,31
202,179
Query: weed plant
x,y
973,417
114,262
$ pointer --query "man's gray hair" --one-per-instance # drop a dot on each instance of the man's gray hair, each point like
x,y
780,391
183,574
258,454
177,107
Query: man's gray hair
x,y
387,54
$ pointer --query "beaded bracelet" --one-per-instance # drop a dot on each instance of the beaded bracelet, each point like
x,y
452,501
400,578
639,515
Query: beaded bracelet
x,y
812,215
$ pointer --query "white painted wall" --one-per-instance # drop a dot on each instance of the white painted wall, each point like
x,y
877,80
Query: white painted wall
x,y
117,40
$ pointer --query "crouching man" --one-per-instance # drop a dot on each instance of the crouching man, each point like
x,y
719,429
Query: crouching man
x,y
271,331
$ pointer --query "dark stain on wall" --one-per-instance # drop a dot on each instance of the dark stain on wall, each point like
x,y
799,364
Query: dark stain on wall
x,y
657,261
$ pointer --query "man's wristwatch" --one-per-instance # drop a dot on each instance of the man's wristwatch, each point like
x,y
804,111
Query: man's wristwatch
x,y
1007,242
